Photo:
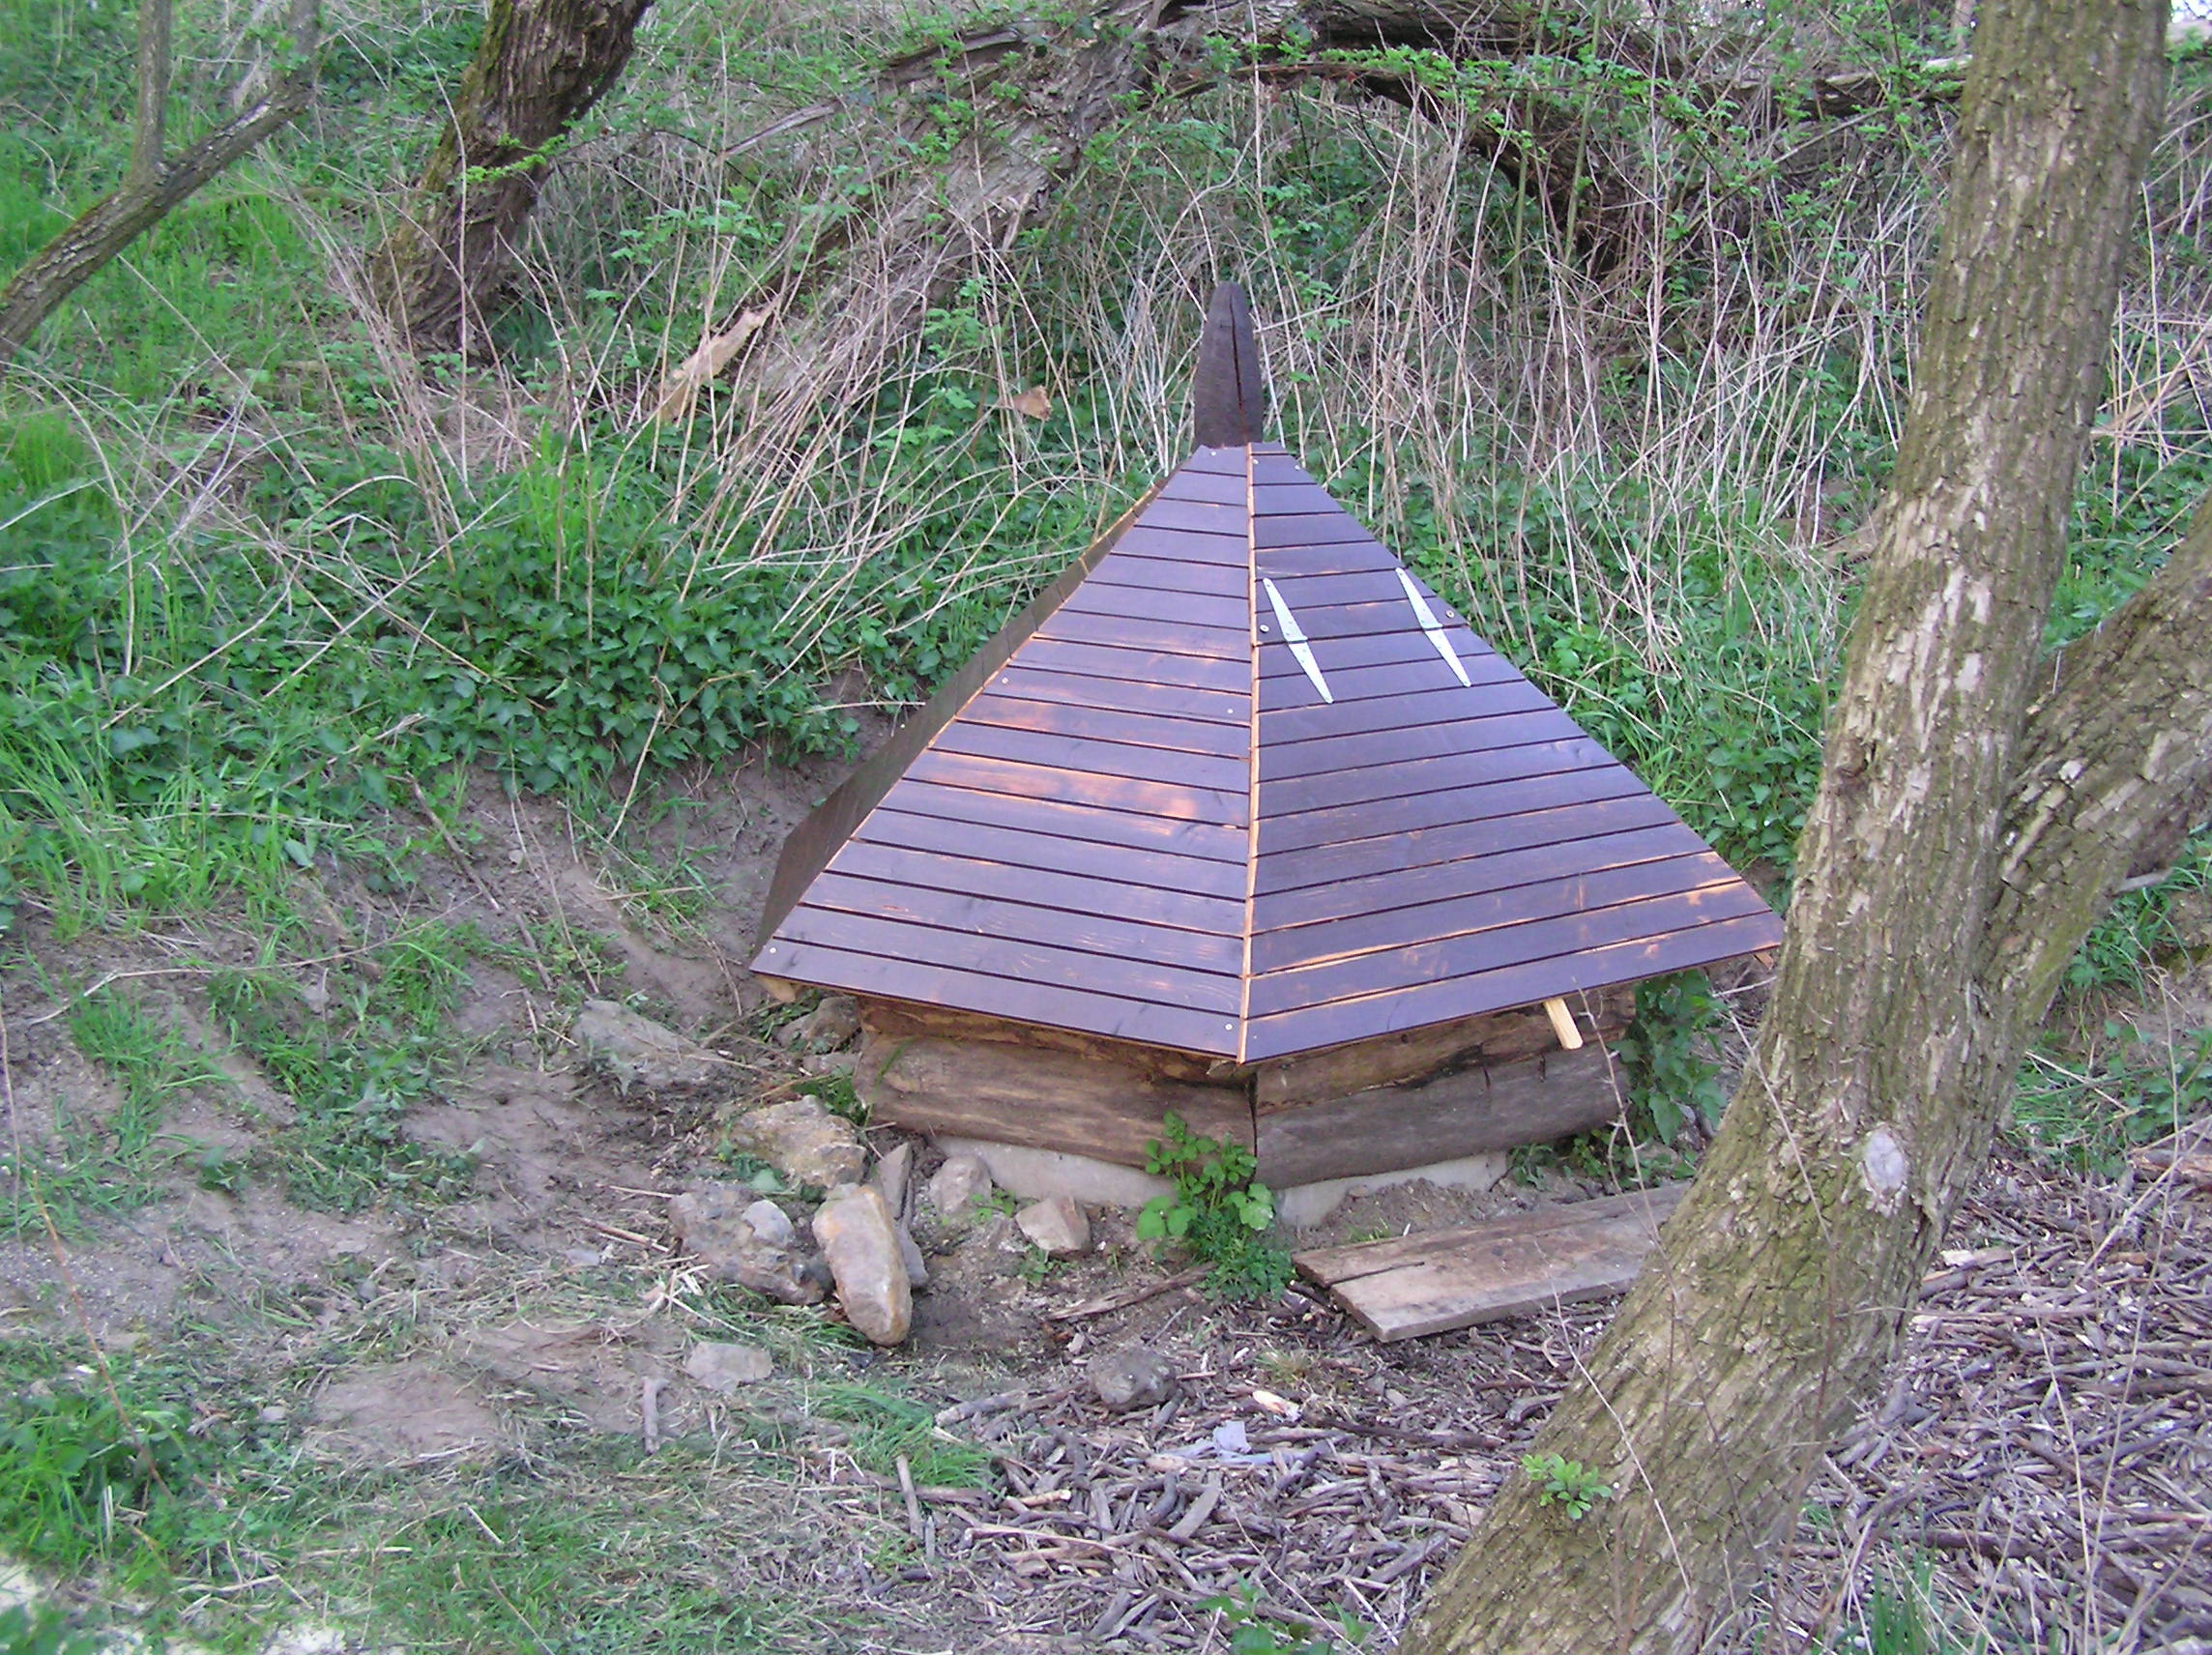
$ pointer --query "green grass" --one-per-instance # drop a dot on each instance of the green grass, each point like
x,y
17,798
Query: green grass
x,y
2087,1110
886,1427
205,1518
103,1165
354,1068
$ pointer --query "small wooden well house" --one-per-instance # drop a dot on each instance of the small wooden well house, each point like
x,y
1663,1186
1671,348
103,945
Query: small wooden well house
x,y
1238,819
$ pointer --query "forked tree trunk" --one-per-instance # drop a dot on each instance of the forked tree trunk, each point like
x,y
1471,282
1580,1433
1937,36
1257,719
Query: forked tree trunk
x,y
540,66
154,185
1978,808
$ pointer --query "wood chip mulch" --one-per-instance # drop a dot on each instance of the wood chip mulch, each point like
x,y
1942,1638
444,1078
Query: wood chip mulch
x,y
2041,1473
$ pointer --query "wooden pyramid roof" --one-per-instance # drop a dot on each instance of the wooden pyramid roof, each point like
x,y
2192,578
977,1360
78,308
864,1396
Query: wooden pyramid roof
x,y
1239,784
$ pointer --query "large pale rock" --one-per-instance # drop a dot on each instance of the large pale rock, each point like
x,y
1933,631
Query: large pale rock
x,y
641,1054
726,1367
957,1186
861,1240
1057,1225
801,1140
917,1266
828,1026
744,1240
895,1168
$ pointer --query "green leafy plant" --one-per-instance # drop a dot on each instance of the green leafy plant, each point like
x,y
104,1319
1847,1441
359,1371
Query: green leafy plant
x,y
1252,1631
1218,1211
1569,1484
1663,1054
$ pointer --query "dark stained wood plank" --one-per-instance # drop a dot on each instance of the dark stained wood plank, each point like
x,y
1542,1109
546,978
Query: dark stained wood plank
x,y
1544,934
1060,818
1308,528
934,870
1321,721
1399,744
1172,1026
1108,792
1466,1112
1165,637
1030,683
1017,922
1290,500
1137,666
1362,620
1232,580
1151,603
1279,911
1081,756
1124,865
1195,516
1628,960
1449,1279
1037,963
1378,649
1374,949
1333,789
1219,462
1424,675
1396,817
1223,488
1345,861
1078,1103
1289,836
1147,728
1274,465
1345,588
1185,545
1351,554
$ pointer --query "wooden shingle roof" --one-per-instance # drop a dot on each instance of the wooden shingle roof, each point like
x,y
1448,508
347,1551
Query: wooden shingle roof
x,y
1242,785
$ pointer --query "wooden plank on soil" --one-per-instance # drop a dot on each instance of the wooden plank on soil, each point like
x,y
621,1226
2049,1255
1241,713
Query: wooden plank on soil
x,y
1414,1284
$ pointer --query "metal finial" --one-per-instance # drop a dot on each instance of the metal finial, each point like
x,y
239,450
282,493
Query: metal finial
x,y
1228,398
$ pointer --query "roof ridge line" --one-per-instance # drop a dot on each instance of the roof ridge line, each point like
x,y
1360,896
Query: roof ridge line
x,y
1252,752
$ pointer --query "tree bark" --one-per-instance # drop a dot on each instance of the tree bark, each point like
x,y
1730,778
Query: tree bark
x,y
1978,808
153,186
540,67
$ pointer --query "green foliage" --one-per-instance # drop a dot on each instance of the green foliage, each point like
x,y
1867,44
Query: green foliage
x,y
27,1629
1217,1211
2131,1090
353,1071
1567,1484
1253,1632
1663,1055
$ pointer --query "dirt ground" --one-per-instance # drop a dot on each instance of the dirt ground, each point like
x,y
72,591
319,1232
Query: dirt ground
x,y
2039,1472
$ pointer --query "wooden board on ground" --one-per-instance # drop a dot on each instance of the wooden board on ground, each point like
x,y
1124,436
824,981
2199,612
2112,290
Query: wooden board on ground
x,y
1414,1284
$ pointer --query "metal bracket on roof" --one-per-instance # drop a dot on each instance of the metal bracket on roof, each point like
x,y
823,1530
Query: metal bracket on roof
x,y
1294,635
1430,624
1227,395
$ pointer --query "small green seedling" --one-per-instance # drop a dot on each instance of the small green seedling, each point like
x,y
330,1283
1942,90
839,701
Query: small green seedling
x,y
1217,1211
1567,1484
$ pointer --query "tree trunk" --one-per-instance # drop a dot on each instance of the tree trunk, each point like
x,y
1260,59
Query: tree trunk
x,y
153,186
1965,838
540,66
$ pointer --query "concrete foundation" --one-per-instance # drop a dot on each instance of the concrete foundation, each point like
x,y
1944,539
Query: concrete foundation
x,y
1036,1174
